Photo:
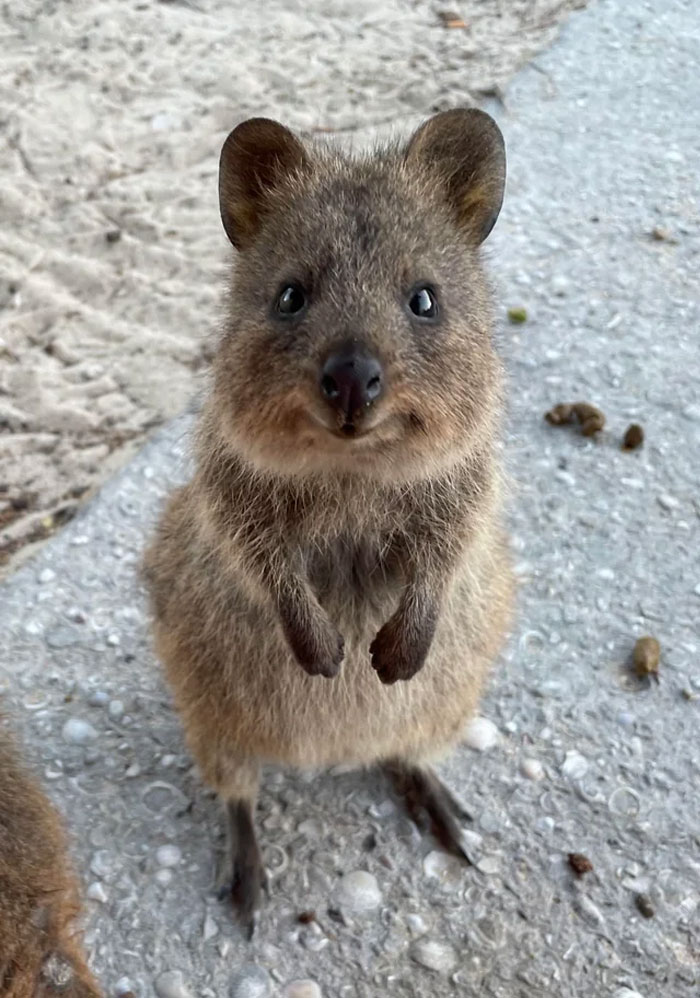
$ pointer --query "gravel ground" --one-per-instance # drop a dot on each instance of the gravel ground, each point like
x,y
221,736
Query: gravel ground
x,y
604,139
111,243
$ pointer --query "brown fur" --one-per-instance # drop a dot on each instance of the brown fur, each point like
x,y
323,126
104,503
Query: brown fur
x,y
40,954
294,555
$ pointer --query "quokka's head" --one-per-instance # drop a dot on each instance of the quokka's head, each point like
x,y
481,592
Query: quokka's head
x,y
358,337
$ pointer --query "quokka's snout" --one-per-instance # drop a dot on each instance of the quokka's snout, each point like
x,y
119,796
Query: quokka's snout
x,y
352,381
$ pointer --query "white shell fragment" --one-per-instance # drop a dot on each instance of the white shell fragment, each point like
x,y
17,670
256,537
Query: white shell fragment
x,y
359,891
575,766
78,732
532,768
434,955
170,984
481,734
302,989
167,856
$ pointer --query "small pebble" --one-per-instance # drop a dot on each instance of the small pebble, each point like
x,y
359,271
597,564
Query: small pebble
x,y
560,285
167,856
171,985
359,891
633,438
123,987
63,636
441,866
96,892
314,939
627,993
451,19
78,732
163,877
251,981
634,882
575,765
481,734
101,864
489,865
417,924
667,502
532,768
302,989
116,709
210,928
643,902
98,698
434,955
589,911
47,575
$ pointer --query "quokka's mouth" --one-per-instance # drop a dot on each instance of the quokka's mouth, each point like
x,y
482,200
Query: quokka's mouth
x,y
351,431
348,431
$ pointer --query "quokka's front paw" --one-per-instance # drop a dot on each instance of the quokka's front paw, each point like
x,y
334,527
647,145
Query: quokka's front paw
x,y
396,656
319,652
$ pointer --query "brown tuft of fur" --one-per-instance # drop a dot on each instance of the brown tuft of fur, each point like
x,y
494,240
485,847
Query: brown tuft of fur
x,y
320,599
40,953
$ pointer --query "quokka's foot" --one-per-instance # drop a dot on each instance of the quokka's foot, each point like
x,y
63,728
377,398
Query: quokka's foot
x,y
426,797
243,878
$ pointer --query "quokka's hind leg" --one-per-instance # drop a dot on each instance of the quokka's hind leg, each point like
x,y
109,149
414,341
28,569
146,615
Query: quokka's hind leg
x,y
242,876
429,803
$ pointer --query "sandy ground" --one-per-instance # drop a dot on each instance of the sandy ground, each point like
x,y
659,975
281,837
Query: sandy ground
x,y
112,116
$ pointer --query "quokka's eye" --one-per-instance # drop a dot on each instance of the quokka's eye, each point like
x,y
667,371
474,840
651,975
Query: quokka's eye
x,y
423,303
290,301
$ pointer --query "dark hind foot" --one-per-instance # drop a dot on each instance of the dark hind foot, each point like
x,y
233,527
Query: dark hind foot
x,y
243,877
426,797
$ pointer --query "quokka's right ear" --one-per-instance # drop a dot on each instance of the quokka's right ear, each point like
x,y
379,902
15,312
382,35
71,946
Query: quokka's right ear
x,y
463,150
257,155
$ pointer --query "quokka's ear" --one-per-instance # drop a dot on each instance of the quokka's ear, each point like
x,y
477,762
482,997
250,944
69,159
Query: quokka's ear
x,y
465,152
257,155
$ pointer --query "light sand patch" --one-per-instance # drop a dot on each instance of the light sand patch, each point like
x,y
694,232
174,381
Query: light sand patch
x,y
111,251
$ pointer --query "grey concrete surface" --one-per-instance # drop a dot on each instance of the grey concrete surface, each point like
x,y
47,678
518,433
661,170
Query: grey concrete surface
x,y
604,145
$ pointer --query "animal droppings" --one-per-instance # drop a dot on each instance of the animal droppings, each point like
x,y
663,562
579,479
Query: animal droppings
x,y
579,863
633,438
646,657
589,417
517,316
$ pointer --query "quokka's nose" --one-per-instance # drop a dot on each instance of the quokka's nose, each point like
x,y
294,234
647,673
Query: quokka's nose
x,y
351,381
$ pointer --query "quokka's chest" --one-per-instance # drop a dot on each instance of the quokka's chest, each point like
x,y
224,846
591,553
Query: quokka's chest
x,y
345,569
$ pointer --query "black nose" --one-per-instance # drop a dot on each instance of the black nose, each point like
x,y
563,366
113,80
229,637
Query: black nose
x,y
351,380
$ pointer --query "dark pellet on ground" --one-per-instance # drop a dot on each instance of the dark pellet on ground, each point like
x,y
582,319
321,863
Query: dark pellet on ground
x,y
579,863
633,438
